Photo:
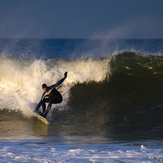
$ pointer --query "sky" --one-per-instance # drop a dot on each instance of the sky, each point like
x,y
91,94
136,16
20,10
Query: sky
x,y
111,19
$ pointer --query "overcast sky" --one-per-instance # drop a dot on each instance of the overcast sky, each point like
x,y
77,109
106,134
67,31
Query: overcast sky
x,y
81,18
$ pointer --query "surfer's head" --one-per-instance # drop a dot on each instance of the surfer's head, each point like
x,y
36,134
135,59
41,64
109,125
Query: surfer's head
x,y
44,87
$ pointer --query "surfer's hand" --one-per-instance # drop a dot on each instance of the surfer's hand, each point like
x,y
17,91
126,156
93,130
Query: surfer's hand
x,y
65,75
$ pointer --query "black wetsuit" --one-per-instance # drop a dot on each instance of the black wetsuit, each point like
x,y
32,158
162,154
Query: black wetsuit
x,y
51,96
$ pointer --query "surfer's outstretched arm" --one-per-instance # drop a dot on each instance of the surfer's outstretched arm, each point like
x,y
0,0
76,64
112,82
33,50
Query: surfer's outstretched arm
x,y
60,81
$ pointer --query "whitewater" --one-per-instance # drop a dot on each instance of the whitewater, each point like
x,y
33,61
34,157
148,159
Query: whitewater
x,y
112,100
52,152
21,80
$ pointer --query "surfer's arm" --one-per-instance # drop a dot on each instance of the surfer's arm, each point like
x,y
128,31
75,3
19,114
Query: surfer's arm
x,y
60,81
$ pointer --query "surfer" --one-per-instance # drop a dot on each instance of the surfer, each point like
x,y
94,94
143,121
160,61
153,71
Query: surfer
x,y
50,96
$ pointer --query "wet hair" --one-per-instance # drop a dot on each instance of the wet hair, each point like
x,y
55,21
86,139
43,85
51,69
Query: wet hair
x,y
44,86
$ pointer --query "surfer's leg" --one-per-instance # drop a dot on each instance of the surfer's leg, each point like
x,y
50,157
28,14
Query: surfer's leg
x,y
48,108
53,101
43,104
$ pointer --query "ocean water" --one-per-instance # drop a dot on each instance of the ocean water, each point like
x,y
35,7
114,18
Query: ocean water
x,y
112,100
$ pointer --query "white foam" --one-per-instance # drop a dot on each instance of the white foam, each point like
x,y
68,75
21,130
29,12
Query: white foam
x,y
20,81
20,152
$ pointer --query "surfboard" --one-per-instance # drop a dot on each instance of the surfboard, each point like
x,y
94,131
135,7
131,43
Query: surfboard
x,y
44,120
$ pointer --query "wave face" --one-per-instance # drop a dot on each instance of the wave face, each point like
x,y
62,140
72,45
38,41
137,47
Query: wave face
x,y
130,96
118,93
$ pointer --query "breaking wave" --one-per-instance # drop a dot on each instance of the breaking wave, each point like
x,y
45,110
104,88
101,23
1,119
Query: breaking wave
x,y
110,92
